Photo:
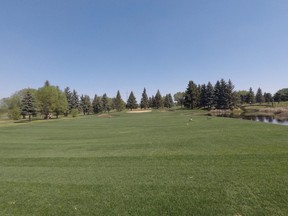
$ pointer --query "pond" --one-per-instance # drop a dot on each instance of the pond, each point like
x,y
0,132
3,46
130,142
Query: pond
x,y
259,118
267,119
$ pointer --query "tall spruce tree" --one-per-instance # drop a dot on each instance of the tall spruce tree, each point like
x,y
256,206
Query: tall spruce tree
x,y
75,103
230,95
97,107
250,97
203,96
191,99
268,98
158,100
131,102
28,106
105,103
259,96
210,95
151,99
85,104
144,104
118,102
168,101
68,94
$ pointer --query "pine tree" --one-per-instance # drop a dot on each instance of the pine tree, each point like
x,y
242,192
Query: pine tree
x,y
268,97
68,94
131,102
28,105
250,97
85,104
259,96
277,97
191,99
171,102
75,103
230,95
47,83
150,100
168,101
158,100
118,102
105,103
203,96
144,104
96,104
210,95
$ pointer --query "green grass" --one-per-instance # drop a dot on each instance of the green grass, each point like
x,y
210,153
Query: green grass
x,y
155,163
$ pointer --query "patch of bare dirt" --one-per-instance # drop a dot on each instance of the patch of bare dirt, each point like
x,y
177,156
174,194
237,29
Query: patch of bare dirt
x,y
105,116
139,111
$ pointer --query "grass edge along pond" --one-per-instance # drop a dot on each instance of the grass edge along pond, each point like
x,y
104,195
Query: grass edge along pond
x,y
157,163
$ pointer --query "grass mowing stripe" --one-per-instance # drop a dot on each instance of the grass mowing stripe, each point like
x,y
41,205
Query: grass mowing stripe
x,y
144,164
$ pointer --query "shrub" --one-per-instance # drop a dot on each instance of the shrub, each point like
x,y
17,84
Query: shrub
x,y
74,112
14,113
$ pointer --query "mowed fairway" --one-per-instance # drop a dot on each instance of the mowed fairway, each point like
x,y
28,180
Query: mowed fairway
x,y
154,163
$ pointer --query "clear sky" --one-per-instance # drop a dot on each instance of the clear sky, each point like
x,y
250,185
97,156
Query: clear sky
x,y
101,46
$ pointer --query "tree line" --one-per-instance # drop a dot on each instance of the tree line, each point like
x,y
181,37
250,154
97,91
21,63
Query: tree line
x,y
222,95
51,100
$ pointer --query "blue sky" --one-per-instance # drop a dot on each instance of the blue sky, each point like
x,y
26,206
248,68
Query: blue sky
x,y
101,46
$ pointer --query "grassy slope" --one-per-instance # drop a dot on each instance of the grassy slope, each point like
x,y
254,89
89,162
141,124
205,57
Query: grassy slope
x,y
144,164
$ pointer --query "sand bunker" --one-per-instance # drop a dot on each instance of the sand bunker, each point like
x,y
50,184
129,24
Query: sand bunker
x,y
139,111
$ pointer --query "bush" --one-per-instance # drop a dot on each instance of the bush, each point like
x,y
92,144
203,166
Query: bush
x,y
74,112
14,113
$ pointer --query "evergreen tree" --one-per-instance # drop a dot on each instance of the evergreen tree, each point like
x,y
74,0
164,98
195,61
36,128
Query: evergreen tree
x,y
158,100
277,97
97,106
131,102
144,104
191,99
105,103
230,96
268,97
85,104
68,94
47,83
203,96
28,105
119,104
259,96
168,101
210,95
250,97
75,103
150,100
218,95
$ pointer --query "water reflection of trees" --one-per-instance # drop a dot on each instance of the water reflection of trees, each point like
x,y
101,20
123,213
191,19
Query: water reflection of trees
x,y
261,118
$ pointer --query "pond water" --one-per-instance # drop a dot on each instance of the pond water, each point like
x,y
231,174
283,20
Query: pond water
x,y
265,119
